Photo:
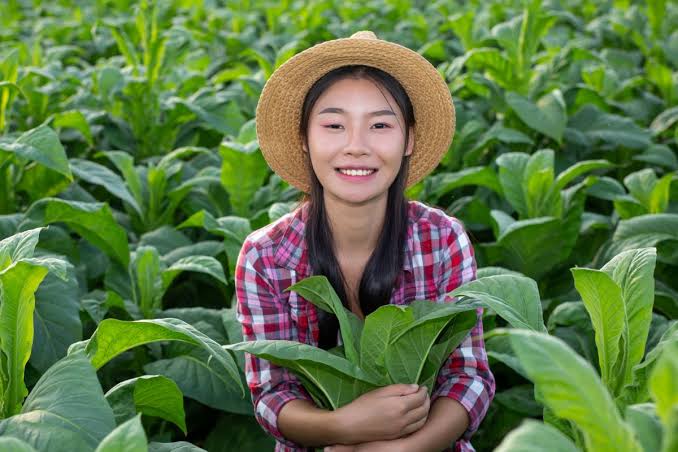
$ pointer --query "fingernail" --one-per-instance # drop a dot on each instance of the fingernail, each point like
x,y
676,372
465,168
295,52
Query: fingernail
x,y
414,386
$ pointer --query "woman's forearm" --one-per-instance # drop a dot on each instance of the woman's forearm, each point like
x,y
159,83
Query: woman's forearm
x,y
304,423
447,421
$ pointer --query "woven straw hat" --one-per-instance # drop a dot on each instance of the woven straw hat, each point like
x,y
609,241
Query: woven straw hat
x,y
279,109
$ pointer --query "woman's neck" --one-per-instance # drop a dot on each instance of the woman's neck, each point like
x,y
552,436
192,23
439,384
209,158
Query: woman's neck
x,y
356,228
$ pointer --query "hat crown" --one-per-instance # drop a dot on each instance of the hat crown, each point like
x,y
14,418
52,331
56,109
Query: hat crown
x,y
366,34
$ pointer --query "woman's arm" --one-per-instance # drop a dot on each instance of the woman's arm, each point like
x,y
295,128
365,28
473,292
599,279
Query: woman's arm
x,y
309,425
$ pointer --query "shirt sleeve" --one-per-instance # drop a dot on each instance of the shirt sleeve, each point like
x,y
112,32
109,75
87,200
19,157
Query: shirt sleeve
x,y
262,315
465,376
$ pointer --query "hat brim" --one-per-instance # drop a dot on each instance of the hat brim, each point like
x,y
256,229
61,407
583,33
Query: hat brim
x,y
279,109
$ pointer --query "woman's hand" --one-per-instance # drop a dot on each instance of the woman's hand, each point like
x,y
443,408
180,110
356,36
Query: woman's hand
x,y
386,413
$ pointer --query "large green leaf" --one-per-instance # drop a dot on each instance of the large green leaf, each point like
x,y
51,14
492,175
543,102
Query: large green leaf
x,y
548,116
177,446
243,171
18,284
201,264
152,395
644,421
511,171
97,174
334,378
514,298
579,169
203,380
613,129
93,221
533,436
378,332
128,436
664,384
15,445
603,300
640,232
638,390
18,246
56,320
319,291
113,337
65,411
569,386
633,272
41,145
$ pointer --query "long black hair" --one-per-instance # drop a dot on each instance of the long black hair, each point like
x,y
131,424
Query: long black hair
x,y
386,262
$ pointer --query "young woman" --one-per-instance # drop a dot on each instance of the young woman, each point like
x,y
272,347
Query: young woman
x,y
351,123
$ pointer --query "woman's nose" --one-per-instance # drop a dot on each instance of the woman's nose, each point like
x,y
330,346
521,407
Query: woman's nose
x,y
357,142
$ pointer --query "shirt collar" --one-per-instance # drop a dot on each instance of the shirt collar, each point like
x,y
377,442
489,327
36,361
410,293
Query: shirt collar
x,y
291,252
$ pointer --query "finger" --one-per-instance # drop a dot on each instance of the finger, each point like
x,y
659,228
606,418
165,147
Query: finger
x,y
417,414
414,426
399,390
416,400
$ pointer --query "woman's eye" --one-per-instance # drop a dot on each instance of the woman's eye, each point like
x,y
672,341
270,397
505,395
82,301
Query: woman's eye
x,y
333,126
386,126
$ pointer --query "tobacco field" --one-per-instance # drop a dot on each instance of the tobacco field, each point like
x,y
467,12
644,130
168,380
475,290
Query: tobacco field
x,y
130,176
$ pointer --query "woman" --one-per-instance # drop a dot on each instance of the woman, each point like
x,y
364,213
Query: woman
x,y
351,123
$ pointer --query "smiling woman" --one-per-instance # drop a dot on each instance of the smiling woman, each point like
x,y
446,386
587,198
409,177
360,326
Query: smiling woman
x,y
352,123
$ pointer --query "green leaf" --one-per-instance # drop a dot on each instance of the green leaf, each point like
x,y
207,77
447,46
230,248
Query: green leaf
x,y
481,175
125,164
534,436
332,380
380,328
15,445
579,169
18,246
644,421
129,436
511,172
633,272
100,175
640,232
664,384
152,395
113,337
203,380
243,172
177,446
41,145
201,264
56,319
613,129
638,390
93,221
319,291
569,386
514,298
603,300
74,119
18,284
65,411
547,116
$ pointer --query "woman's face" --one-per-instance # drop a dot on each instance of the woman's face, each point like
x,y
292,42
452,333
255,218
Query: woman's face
x,y
356,127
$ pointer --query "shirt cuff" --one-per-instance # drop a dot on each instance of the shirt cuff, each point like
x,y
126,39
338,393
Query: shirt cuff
x,y
269,405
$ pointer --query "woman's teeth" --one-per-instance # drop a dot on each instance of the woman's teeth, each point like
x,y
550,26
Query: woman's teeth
x,y
356,172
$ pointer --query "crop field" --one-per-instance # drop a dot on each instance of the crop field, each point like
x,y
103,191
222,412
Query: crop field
x,y
130,175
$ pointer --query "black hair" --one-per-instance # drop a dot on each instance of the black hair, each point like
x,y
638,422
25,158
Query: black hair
x,y
386,262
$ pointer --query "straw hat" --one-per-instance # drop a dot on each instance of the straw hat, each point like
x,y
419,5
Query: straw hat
x,y
279,108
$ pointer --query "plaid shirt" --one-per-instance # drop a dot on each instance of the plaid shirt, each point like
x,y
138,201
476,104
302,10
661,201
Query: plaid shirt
x,y
438,258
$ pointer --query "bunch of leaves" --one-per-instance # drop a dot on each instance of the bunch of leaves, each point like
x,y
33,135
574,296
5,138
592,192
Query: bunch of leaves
x,y
395,344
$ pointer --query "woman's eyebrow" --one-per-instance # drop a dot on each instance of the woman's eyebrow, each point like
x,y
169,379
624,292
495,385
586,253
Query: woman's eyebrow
x,y
341,111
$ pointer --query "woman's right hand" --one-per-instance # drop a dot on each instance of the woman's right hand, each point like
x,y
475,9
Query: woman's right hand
x,y
385,413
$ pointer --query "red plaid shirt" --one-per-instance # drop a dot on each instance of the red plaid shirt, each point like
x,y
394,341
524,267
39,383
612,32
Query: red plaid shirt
x,y
439,258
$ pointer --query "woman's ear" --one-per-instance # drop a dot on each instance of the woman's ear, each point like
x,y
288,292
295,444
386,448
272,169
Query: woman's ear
x,y
410,142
